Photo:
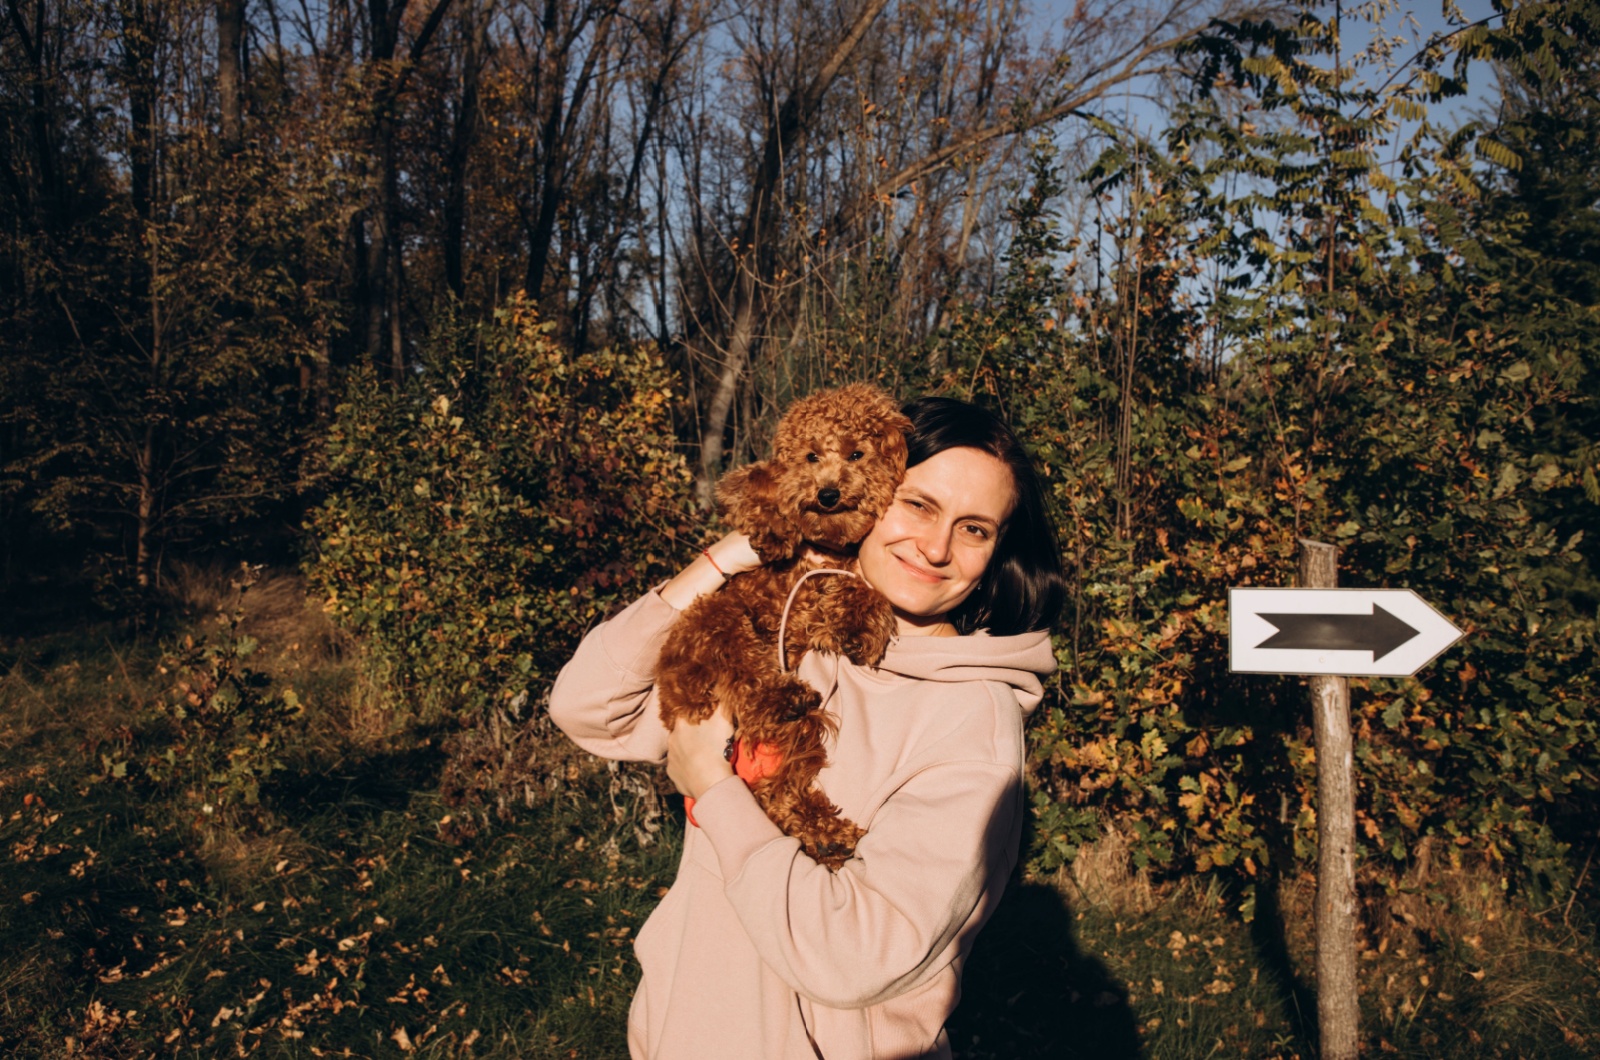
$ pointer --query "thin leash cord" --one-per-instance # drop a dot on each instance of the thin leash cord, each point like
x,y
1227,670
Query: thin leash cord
x,y
783,623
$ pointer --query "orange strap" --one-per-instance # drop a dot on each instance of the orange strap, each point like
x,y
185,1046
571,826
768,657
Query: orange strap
x,y
749,764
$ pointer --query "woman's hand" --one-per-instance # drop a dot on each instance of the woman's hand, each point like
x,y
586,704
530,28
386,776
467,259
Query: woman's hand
x,y
696,754
734,554
723,559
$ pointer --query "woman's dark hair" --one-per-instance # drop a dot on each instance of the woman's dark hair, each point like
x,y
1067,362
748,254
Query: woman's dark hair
x,y
1023,587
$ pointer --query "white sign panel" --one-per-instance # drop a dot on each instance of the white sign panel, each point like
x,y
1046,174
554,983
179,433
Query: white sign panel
x,y
1342,632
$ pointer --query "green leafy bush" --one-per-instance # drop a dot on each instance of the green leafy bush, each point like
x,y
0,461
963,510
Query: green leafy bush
x,y
486,513
217,735
1414,406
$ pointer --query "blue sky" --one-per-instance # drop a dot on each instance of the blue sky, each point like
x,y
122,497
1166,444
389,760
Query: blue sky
x,y
1412,23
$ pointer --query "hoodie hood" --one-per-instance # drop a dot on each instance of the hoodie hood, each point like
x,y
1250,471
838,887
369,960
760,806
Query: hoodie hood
x,y
1021,661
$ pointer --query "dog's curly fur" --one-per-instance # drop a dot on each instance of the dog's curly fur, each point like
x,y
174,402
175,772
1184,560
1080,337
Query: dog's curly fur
x,y
839,456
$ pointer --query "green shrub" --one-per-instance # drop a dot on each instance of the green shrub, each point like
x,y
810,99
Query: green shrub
x,y
1422,423
486,513
217,734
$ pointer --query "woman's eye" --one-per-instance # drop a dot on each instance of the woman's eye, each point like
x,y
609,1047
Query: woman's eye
x,y
976,532
812,458
857,455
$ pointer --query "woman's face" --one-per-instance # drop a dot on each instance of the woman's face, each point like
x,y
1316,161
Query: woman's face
x,y
929,551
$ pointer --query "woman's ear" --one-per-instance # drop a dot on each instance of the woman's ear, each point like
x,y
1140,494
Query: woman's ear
x,y
748,497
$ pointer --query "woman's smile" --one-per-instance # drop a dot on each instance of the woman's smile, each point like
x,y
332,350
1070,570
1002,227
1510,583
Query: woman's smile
x,y
917,571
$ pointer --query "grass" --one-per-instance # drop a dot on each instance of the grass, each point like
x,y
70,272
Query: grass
x,y
356,914
339,920
355,928
1074,968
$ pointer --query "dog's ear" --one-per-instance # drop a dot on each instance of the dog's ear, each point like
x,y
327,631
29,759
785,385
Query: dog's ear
x,y
882,418
749,499
896,426
746,492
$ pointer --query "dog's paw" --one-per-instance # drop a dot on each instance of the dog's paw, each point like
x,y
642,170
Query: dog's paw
x,y
860,626
773,543
831,839
752,502
867,649
787,699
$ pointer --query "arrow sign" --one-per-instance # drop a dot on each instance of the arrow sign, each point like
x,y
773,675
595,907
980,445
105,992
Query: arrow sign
x,y
1377,631
1346,632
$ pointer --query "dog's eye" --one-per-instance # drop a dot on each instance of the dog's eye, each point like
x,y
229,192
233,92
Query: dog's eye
x,y
857,455
812,458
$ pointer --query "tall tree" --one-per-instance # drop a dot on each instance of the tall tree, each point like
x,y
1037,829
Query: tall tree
x,y
883,165
388,70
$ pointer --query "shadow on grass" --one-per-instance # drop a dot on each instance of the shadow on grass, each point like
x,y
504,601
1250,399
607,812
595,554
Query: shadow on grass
x,y
360,786
1030,991
1269,935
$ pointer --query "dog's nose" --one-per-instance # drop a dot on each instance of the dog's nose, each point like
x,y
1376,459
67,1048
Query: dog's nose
x,y
828,497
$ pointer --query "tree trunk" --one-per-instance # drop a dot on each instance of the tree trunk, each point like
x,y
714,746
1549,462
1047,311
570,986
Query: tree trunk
x,y
736,357
559,128
384,296
145,510
397,350
463,138
375,238
1338,1004
230,82
608,255
384,30
43,119
138,58
139,37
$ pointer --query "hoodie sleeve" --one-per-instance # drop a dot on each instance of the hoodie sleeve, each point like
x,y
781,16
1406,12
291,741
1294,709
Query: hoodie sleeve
x,y
604,698
883,924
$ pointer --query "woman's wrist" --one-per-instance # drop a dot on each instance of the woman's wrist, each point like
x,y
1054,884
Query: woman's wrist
x,y
696,759
732,554
716,563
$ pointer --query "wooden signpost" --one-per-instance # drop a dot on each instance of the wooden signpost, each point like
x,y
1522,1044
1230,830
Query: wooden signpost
x,y
1329,634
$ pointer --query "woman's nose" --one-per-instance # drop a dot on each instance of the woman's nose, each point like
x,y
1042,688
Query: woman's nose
x,y
935,544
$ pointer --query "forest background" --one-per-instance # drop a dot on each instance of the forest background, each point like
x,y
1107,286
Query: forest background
x,y
445,315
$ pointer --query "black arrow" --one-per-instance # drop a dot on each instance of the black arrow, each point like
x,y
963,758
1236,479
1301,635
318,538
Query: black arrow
x,y
1378,632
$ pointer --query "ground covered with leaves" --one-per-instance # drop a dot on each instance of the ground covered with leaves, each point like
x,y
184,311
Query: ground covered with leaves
x,y
350,911
342,923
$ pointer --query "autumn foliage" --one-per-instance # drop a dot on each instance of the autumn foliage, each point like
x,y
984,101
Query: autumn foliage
x,y
484,515
461,306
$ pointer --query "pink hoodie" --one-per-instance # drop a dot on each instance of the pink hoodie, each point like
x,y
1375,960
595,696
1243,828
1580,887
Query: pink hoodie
x,y
759,953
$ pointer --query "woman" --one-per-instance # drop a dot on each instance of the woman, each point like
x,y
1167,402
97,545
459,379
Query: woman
x,y
759,952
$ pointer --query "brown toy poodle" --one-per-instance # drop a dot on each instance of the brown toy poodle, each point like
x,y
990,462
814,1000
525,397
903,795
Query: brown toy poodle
x,y
839,456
